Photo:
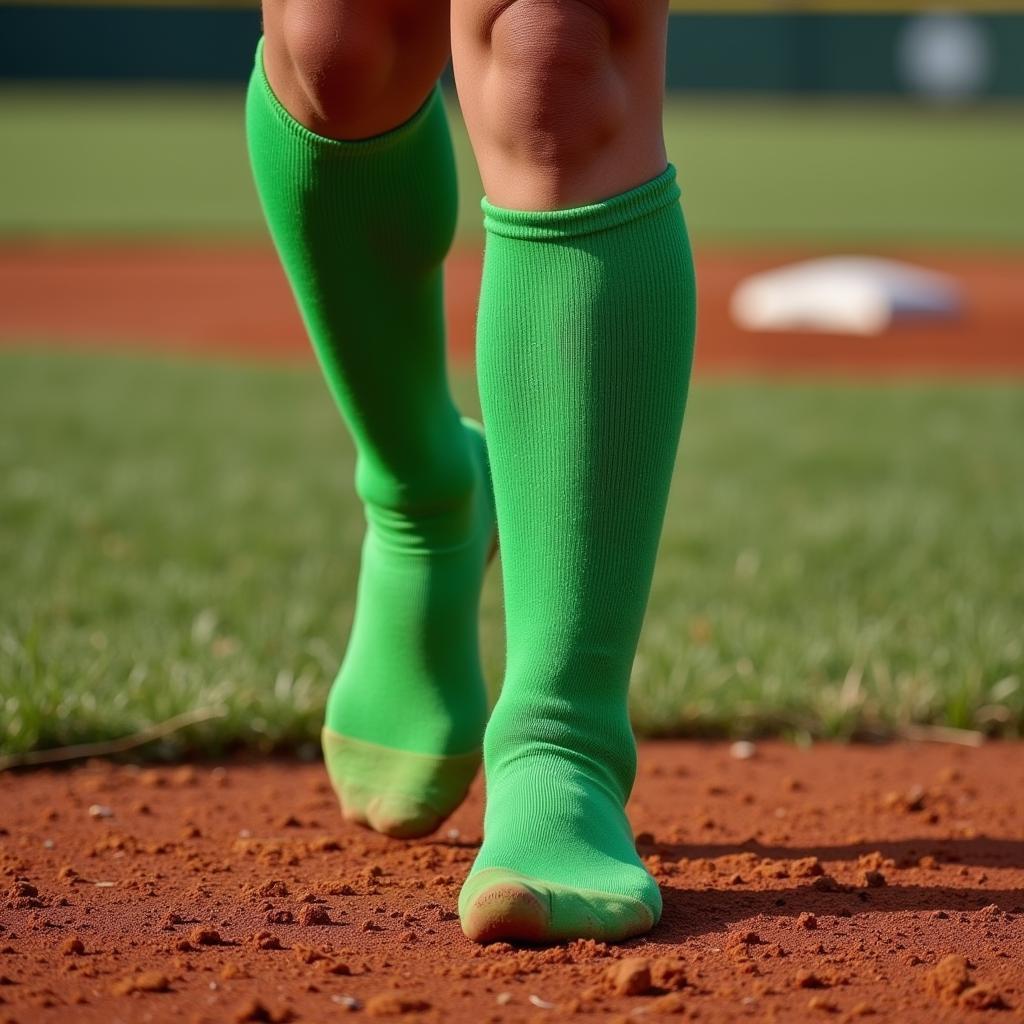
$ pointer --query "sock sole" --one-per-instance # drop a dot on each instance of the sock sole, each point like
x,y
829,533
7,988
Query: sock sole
x,y
396,792
499,905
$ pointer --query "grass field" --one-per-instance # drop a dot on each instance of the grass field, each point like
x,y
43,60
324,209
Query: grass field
x,y
173,162
839,559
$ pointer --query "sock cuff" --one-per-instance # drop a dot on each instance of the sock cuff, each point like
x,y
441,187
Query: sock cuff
x,y
373,144
553,225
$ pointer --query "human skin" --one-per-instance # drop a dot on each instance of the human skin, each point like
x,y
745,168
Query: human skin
x,y
562,98
352,69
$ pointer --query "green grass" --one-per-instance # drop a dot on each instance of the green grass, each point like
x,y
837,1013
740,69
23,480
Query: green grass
x,y
173,162
838,559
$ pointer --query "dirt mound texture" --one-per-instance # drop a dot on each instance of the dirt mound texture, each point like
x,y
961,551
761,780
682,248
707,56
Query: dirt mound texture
x,y
836,881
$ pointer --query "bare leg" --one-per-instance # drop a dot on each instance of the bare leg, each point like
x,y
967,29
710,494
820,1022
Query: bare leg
x,y
562,98
351,69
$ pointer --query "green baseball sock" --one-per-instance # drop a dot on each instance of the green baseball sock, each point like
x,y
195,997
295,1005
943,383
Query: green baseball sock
x,y
586,332
362,229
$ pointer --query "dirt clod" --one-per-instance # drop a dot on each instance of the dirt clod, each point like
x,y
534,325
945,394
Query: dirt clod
x,y
669,975
336,967
952,982
630,977
822,1004
273,887
146,981
809,979
390,1004
255,1011
313,914
670,1003
806,867
826,883
981,997
949,978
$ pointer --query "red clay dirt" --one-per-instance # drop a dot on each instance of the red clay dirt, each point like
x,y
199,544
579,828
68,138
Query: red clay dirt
x,y
233,300
831,883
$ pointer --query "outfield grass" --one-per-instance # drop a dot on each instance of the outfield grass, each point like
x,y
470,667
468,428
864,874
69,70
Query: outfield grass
x,y
838,559
837,173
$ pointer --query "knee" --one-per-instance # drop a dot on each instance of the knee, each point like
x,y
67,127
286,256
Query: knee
x,y
553,83
343,68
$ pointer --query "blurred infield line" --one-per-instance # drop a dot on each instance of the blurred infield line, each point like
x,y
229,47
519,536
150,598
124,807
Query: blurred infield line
x,y
232,300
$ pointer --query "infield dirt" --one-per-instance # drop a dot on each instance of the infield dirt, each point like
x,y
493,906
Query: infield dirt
x,y
830,883
232,300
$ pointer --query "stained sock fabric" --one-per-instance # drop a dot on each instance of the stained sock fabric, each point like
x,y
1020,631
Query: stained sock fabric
x,y
362,228
586,330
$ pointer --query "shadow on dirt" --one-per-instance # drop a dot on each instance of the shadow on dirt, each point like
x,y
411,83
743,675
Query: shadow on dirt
x,y
979,851
692,912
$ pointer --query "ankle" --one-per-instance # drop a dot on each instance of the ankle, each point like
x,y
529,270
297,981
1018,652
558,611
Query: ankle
x,y
444,526
545,740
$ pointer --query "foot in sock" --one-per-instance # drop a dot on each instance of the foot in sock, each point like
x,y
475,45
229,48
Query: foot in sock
x,y
585,340
558,861
406,715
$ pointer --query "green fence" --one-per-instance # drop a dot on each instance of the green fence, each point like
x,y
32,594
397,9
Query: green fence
x,y
800,46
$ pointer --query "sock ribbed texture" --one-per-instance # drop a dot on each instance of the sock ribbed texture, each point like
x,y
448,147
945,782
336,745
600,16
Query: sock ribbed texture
x,y
586,330
362,229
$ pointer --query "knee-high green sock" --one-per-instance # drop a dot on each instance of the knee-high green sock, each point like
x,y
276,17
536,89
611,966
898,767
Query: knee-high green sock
x,y
362,228
585,343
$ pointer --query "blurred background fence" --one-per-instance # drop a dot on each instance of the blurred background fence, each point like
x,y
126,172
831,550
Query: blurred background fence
x,y
786,46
